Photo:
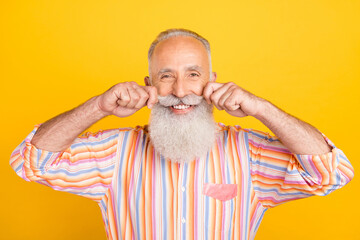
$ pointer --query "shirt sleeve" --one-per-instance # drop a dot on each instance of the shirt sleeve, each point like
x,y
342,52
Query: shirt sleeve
x,y
279,176
85,168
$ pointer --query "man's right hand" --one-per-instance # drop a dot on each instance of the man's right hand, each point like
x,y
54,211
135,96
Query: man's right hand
x,y
125,98
122,100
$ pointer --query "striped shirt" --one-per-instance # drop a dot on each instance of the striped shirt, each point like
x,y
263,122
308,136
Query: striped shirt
x,y
222,195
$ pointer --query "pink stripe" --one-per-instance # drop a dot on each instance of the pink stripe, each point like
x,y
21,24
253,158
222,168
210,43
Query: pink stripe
x,y
242,194
279,177
223,209
304,182
83,161
196,198
223,220
255,214
153,186
81,188
221,155
131,184
274,200
132,167
275,149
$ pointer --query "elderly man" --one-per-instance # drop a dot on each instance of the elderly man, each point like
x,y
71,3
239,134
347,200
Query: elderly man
x,y
183,176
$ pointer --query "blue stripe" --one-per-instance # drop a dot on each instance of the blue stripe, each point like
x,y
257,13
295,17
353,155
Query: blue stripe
x,y
138,188
83,193
259,220
19,167
298,157
280,194
267,165
120,183
38,155
48,157
231,219
232,201
104,208
342,156
263,136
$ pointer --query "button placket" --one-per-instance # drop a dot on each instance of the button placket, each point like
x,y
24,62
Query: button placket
x,y
182,196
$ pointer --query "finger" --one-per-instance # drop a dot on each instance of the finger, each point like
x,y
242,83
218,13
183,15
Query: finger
x,y
134,97
209,89
152,96
124,98
144,96
233,106
232,103
220,92
223,98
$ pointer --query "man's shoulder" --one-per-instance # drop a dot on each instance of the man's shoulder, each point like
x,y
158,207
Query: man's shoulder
x,y
253,132
114,131
236,128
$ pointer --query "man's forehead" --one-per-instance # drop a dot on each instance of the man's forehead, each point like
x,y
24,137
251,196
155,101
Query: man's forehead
x,y
178,44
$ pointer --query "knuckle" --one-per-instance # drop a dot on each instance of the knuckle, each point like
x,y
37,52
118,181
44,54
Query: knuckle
x,y
145,95
125,98
228,105
238,91
233,87
136,97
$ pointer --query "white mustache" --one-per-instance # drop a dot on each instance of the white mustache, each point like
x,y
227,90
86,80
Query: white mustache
x,y
171,100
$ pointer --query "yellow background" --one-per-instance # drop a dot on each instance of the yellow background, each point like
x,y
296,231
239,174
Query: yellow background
x,y
304,56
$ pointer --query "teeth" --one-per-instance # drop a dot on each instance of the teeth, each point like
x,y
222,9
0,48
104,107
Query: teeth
x,y
181,106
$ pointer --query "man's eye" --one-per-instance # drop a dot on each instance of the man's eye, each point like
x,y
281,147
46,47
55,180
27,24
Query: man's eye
x,y
194,75
165,76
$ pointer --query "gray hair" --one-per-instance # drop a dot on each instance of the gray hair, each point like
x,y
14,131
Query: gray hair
x,y
175,32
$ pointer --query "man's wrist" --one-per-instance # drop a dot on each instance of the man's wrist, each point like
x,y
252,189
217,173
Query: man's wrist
x,y
264,108
96,109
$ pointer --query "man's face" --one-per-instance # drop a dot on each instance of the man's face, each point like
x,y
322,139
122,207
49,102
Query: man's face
x,y
181,125
180,66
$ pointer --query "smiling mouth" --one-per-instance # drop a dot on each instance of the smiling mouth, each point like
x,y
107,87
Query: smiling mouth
x,y
181,106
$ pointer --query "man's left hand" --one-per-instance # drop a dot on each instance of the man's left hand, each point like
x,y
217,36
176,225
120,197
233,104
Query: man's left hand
x,y
233,99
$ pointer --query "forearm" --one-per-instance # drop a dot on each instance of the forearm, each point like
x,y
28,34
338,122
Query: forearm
x,y
298,136
58,133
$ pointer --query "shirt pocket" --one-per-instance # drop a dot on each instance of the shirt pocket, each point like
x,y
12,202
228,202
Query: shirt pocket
x,y
222,192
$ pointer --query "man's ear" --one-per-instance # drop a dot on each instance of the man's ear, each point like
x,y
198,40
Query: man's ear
x,y
213,77
147,81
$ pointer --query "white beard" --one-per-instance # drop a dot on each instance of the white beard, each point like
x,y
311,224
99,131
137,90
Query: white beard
x,y
182,138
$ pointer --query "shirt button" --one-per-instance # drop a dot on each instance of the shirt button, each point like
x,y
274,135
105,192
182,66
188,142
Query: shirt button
x,y
183,189
183,220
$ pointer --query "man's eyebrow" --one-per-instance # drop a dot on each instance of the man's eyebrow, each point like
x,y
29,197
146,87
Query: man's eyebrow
x,y
187,68
194,67
164,70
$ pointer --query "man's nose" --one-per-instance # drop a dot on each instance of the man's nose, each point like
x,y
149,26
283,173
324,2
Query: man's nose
x,y
180,89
